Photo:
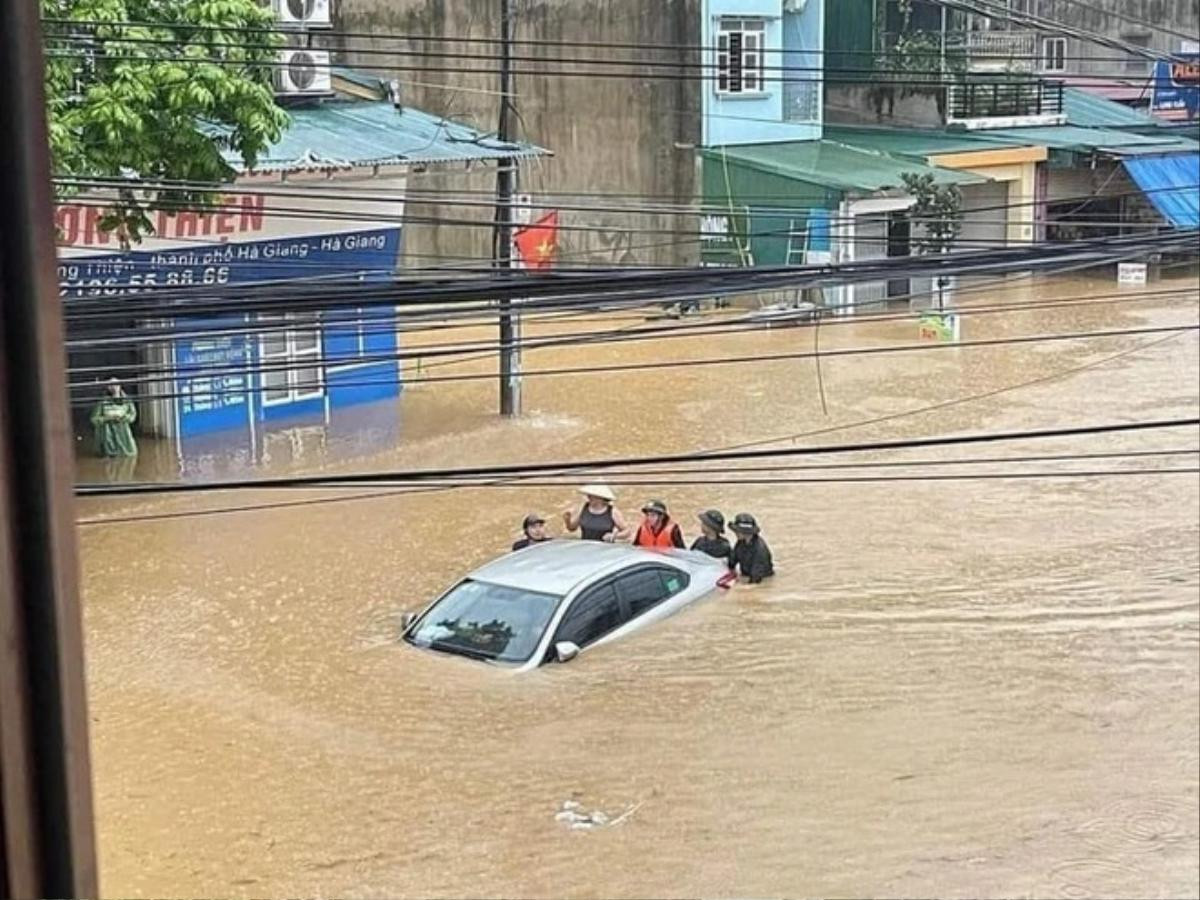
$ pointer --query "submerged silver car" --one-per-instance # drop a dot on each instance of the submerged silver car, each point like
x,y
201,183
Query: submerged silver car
x,y
550,601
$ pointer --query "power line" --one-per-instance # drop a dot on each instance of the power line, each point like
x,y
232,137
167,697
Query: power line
x,y
155,375
273,65
88,45
760,442
758,359
1133,20
750,321
992,10
421,475
376,36
385,198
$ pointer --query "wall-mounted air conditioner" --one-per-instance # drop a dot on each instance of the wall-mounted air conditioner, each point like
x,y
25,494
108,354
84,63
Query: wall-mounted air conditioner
x,y
302,13
303,72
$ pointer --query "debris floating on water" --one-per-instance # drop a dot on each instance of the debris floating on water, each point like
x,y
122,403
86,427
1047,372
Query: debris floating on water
x,y
574,816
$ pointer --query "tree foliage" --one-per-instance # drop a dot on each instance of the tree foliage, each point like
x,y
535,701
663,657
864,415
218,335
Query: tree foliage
x,y
938,210
154,90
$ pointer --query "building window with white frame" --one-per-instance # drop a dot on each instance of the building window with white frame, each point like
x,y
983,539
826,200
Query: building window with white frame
x,y
740,56
290,361
1054,54
1135,63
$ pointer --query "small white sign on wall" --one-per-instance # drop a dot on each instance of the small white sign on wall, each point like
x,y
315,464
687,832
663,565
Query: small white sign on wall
x,y
1131,273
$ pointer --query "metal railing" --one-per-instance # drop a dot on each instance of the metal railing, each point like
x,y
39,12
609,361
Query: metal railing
x,y
1015,50
1003,99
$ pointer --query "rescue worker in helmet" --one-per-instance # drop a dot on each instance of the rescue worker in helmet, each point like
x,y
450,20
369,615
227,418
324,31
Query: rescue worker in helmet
x,y
657,529
751,555
712,524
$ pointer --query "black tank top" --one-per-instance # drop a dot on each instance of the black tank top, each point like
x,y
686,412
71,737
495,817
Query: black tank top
x,y
594,526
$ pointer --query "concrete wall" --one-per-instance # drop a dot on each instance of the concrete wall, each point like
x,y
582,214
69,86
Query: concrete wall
x,y
1120,19
848,103
610,135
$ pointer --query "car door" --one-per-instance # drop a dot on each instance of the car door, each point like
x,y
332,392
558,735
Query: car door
x,y
593,614
646,587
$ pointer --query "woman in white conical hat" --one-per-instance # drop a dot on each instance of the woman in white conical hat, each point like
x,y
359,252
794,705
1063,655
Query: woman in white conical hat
x,y
598,519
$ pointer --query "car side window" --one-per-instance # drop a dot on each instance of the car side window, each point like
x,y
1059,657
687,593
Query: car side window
x,y
591,616
648,587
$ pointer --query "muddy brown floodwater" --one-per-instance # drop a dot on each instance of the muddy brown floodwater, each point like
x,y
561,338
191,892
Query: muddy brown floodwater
x,y
956,688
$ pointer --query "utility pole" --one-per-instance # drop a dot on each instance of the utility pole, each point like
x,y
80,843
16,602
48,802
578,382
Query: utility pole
x,y
47,847
510,324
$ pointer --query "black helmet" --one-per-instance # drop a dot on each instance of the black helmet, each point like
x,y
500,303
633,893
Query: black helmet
x,y
713,519
655,506
744,523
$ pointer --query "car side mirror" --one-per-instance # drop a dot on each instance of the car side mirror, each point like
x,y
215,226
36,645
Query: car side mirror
x,y
406,621
565,651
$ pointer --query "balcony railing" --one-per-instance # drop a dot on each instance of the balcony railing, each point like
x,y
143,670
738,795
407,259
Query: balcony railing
x,y
991,50
973,101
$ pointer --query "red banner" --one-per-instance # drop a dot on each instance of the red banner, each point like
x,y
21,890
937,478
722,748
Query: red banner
x,y
537,243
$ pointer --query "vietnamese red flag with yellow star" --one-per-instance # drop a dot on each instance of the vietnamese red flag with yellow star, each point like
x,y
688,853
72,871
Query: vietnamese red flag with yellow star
x,y
538,242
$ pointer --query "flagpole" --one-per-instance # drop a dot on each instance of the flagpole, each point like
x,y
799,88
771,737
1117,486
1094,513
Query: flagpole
x,y
510,323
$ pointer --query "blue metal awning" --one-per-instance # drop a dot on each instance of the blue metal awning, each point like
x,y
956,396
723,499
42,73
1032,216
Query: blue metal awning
x,y
1172,183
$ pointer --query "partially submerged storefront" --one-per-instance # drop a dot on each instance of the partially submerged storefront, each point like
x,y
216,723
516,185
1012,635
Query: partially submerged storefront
x,y
325,203
816,202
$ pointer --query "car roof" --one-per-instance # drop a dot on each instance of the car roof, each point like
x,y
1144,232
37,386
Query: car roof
x,y
556,567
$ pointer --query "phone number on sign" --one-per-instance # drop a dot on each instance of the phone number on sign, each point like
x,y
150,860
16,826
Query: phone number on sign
x,y
76,284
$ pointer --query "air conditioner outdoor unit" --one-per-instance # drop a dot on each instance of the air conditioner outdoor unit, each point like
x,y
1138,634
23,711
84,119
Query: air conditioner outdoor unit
x,y
303,72
302,13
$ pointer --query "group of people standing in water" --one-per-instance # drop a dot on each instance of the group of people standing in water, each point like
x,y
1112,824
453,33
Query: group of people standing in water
x,y
598,519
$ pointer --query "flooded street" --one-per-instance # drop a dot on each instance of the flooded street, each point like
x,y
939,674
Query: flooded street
x,y
952,688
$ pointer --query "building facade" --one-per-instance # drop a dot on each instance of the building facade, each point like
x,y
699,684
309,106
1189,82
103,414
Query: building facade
x,y
627,130
326,203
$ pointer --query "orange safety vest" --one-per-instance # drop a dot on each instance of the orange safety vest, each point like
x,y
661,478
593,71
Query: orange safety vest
x,y
647,538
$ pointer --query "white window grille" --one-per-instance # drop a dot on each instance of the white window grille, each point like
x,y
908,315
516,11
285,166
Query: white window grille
x,y
291,360
1054,54
740,56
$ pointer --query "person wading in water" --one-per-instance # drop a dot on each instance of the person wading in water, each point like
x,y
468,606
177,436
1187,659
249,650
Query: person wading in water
x,y
598,519
712,523
657,529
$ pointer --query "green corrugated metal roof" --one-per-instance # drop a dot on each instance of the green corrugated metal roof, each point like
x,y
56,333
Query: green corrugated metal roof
x,y
1088,110
351,135
916,143
1084,140
834,165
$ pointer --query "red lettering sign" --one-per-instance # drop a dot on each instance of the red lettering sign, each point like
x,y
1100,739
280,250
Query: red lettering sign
x,y
1185,74
78,224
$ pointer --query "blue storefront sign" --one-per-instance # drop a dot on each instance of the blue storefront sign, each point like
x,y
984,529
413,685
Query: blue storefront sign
x,y
212,381
363,253
224,381
1177,85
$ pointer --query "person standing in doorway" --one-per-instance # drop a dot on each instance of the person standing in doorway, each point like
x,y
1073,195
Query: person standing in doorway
x,y
598,519
111,421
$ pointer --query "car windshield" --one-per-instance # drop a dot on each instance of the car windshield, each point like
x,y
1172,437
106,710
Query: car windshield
x,y
486,621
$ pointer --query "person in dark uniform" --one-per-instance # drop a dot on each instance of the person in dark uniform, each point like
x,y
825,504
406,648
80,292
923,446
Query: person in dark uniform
x,y
534,528
657,529
598,519
712,526
751,555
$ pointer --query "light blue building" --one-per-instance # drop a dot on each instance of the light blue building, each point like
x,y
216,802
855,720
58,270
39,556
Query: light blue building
x,y
747,97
